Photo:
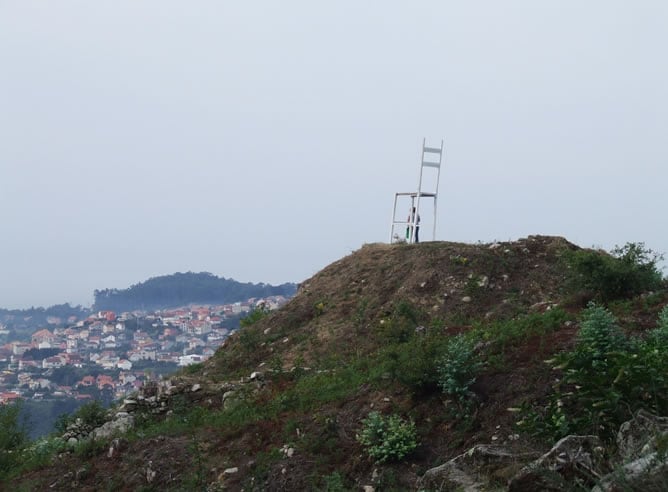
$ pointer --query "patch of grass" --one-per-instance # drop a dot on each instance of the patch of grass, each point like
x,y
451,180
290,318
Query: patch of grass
x,y
313,390
361,313
414,363
334,482
508,332
262,467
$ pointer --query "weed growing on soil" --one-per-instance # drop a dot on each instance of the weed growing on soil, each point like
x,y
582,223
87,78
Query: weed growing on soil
x,y
360,317
473,285
506,333
198,479
319,308
387,438
400,326
457,371
333,483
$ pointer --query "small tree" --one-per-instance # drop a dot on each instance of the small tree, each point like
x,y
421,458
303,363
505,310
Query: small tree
x,y
599,336
457,370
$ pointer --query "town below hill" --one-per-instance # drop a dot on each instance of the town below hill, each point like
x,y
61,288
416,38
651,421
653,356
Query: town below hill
x,y
157,293
106,356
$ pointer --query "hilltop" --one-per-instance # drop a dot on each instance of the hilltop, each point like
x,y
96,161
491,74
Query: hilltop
x,y
447,339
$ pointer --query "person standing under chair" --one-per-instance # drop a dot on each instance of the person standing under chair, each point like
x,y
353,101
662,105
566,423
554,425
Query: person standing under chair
x,y
411,218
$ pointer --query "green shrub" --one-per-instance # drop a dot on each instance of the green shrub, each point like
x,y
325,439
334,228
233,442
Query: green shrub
x,y
400,326
599,335
259,312
406,310
457,369
415,363
334,483
473,286
43,450
606,379
92,414
627,271
320,307
387,439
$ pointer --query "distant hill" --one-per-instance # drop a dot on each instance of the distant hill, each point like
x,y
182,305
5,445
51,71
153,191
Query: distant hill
x,y
180,289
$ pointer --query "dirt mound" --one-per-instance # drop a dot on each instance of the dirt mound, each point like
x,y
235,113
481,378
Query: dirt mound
x,y
454,283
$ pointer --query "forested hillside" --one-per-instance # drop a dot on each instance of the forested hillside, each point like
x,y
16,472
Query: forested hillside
x,y
180,289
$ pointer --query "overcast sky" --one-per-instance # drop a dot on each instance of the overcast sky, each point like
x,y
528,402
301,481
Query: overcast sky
x,y
263,140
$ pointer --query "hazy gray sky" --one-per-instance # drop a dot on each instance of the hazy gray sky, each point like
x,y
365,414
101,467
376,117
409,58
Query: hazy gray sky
x,y
264,140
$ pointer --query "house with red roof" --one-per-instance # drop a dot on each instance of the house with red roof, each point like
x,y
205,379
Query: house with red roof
x,y
86,381
103,380
43,336
9,397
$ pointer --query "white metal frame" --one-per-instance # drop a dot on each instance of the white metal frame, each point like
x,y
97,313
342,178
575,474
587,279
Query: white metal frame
x,y
412,222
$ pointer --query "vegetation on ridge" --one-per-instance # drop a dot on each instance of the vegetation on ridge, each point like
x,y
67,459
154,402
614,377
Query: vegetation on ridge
x,y
395,359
